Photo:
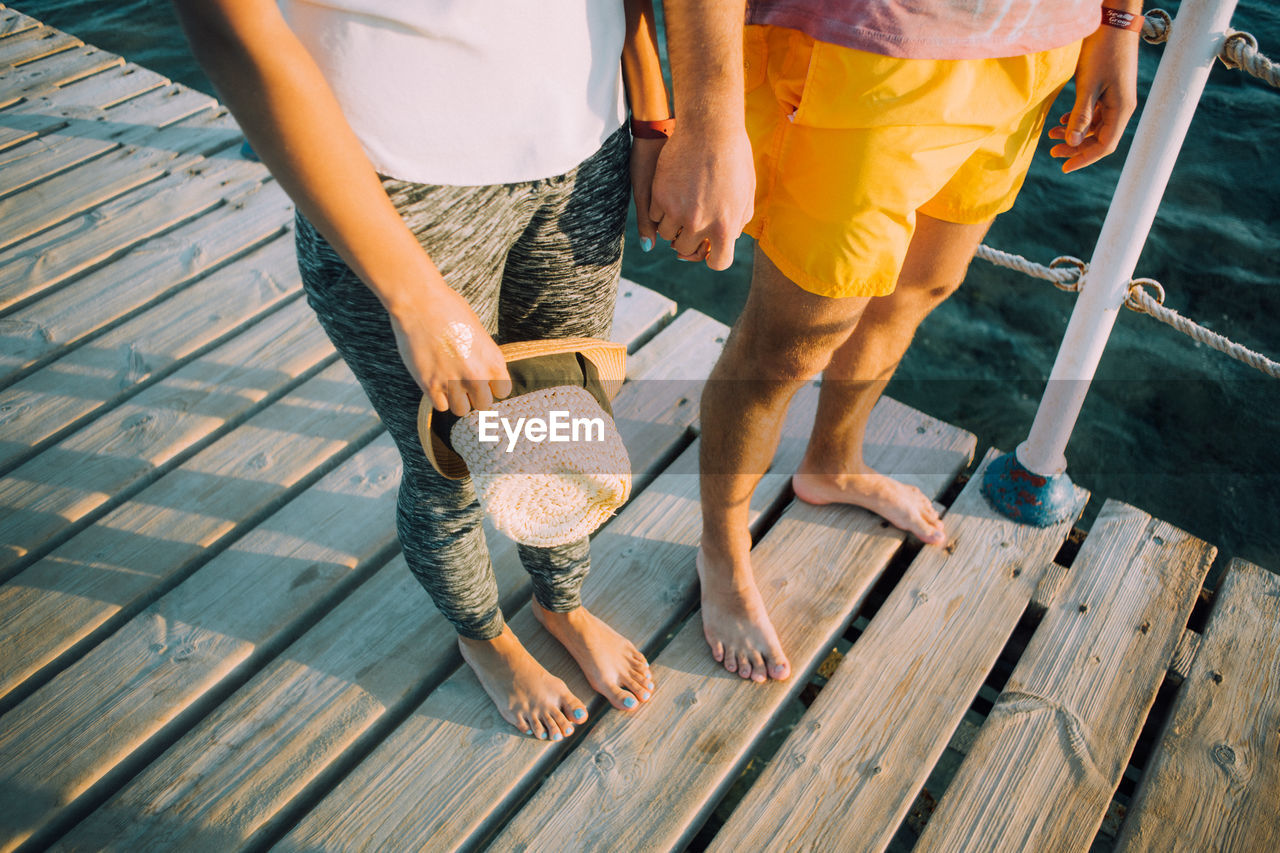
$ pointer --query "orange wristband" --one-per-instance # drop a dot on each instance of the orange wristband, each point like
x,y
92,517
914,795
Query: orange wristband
x,y
1121,20
652,129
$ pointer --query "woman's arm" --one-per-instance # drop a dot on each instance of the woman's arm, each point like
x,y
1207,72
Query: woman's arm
x,y
294,123
647,97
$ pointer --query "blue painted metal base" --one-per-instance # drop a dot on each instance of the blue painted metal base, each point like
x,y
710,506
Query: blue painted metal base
x,y
247,152
1027,497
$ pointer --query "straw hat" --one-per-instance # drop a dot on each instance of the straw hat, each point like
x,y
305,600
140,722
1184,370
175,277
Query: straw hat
x,y
547,485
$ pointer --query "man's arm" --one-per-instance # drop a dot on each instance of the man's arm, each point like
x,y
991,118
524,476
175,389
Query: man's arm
x,y
291,117
705,182
1106,94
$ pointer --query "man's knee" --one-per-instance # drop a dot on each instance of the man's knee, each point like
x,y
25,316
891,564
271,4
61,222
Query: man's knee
x,y
793,355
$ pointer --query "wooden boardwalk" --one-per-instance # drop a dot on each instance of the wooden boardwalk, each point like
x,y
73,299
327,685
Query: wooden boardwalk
x,y
208,639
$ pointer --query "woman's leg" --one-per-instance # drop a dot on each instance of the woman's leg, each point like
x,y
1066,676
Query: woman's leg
x,y
439,520
561,280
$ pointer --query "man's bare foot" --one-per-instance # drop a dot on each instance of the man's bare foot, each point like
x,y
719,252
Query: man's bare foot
x,y
737,626
528,697
613,666
896,502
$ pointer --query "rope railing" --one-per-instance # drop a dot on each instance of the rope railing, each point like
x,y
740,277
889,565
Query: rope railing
x,y
1067,273
1240,50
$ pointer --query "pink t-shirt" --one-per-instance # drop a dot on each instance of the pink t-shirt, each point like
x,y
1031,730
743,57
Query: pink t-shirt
x,y
935,29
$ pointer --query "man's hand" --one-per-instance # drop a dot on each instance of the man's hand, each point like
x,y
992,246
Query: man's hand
x,y
449,354
1106,96
703,193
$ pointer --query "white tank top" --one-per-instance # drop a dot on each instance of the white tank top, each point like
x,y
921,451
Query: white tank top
x,y
469,92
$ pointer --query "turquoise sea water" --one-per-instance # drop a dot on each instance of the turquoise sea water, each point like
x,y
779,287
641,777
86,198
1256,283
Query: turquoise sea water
x,y
1170,426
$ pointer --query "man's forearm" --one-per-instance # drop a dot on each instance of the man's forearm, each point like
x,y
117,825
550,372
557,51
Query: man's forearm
x,y
704,44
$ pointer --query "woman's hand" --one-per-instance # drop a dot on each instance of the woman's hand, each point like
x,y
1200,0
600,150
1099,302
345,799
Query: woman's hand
x,y
1106,96
644,161
448,352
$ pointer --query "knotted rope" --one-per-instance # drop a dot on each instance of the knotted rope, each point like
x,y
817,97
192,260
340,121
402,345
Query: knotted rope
x,y
1240,50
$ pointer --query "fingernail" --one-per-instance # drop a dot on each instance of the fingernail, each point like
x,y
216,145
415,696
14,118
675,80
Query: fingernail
x,y
646,245
629,702
579,714
645,696
686,260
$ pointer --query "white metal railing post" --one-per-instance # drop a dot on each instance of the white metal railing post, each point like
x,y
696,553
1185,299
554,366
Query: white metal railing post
x,y
1022,484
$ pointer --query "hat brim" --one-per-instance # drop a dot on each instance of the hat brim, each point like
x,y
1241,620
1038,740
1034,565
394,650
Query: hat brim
x,y
608,358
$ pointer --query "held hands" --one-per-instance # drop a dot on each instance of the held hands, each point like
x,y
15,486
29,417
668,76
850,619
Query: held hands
x,y
1106,96
644,162
449,354
703,192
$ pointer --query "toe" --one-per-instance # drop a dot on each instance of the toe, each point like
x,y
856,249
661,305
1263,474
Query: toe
x,y
636,687
730,660
576,713
717,651
523,725
779,666
539,730
758,671
553,730
562,722
744,665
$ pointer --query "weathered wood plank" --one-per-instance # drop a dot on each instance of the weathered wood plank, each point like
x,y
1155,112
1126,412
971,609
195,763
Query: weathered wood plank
x,y
46,260
640,313
63,487
378,651
878,726
38,78
1211,783
88,136
64,597
167,150
81,99
13,22
642,583
26,40
91,724
661,778
34,336
1068,717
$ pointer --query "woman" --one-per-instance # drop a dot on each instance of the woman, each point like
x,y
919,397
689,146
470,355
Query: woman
x,y
460,172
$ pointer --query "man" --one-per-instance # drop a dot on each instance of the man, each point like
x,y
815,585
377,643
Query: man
x,y
885,137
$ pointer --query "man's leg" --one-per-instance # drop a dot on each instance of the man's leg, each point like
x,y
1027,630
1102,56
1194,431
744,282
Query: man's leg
x,y
784,337
834,470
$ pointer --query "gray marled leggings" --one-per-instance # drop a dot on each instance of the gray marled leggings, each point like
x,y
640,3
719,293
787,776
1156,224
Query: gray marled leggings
x,y
534,260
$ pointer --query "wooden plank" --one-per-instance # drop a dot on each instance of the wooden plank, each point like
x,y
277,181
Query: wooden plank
x,y
371,658
82,138
661,778
13,22
69,193
51,494
1211,782
36,335
64,597
640,313
31,42
877,728
673,381
43,76
43,262
94,723
1068,717
80,99
642,583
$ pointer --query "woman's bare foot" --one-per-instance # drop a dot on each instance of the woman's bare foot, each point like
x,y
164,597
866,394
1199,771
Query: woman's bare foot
x,y
528,697
896,502
613,666
737,626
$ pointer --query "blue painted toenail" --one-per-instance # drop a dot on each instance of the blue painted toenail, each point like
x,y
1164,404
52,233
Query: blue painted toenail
x,y
542,735
568,730
646,245
579,714
645,696
629,702
557,736
528,732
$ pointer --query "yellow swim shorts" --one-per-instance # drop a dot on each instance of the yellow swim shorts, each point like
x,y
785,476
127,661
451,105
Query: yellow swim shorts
x,y
849,145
